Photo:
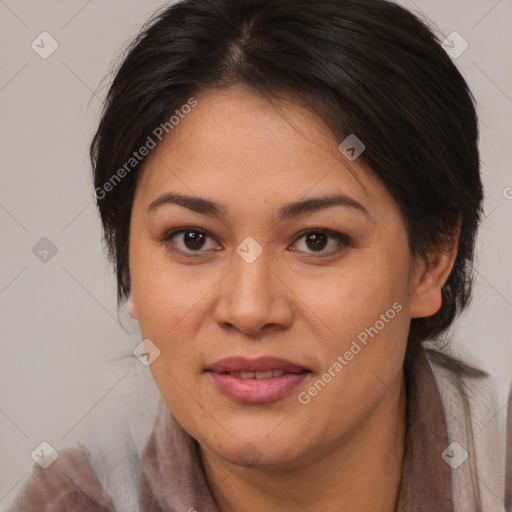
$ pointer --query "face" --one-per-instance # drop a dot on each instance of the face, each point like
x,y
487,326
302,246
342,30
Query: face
x,y
281,328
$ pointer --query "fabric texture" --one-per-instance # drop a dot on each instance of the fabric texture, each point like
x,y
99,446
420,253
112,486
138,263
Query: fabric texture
x,y
69,484
158,469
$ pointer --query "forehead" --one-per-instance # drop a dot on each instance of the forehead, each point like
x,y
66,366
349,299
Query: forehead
x,y
236,143
228,124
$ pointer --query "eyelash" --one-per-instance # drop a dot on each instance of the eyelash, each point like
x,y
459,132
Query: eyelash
x,y
344,240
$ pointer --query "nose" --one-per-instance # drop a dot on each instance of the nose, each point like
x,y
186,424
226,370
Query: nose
x,y
253,298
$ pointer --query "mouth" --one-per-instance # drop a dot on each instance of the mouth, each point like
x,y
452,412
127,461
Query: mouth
x,y
261,380
269,374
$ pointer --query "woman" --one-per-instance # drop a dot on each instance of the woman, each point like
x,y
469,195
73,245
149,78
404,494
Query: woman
x,y
290,194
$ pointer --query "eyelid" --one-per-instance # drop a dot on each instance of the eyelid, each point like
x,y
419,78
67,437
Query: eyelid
x,y
173,232
341,237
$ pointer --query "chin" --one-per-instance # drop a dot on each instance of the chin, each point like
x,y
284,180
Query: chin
x,y
258,451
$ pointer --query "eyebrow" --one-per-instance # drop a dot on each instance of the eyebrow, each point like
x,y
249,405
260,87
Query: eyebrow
x,y
295,208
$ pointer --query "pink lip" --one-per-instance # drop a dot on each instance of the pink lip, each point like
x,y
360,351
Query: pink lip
x,y
256,390
260,364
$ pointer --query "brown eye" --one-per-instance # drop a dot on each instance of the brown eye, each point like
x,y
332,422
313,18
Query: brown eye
x,y
188,241
316,241
193,240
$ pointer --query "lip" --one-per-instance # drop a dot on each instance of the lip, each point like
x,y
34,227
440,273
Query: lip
x,y
260,364
256,390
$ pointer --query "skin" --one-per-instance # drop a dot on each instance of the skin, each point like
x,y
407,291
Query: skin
x,y
343,450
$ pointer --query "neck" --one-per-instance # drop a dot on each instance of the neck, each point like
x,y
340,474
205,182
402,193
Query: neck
x,y
362,474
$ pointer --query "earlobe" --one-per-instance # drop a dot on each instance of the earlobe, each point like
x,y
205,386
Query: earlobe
x,y
430,279
131,308
426,297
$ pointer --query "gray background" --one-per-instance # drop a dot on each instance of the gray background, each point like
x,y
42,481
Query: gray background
x,y
60,330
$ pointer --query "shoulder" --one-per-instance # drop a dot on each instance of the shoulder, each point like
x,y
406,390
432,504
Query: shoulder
x,y
68,483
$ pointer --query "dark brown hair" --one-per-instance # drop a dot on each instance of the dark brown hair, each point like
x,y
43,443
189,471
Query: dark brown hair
x,y
367,67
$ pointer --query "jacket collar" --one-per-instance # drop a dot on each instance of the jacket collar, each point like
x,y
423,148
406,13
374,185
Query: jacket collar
x,y
426,483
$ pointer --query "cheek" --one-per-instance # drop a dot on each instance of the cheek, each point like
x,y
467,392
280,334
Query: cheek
x,y
362,356
352,297
362,313
172,304
164,293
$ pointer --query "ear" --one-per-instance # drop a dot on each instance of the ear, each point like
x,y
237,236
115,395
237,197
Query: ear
x,y
428,280
131,308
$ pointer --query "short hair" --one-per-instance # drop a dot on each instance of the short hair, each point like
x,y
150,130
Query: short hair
x,y
366,67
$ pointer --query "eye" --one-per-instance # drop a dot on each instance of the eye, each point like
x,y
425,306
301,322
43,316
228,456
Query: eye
x,y
318,239
191,240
